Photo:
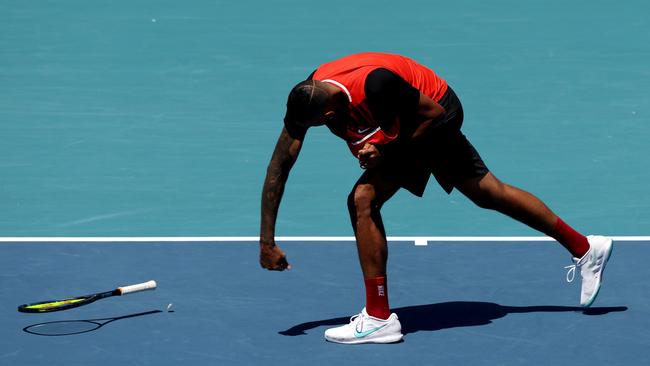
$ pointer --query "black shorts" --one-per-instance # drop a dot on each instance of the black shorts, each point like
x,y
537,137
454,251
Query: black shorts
x,y
448,155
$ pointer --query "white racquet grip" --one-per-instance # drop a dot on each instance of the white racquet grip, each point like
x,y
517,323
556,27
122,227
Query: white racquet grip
x,y
149,285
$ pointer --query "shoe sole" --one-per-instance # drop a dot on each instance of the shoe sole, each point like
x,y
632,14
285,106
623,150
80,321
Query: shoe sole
x,y
394,338
602,276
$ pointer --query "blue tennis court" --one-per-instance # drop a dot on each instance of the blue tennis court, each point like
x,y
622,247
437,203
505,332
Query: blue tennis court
x,y
147,119
478,303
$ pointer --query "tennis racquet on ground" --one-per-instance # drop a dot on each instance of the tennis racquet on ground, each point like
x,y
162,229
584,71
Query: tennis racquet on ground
x,y
69,303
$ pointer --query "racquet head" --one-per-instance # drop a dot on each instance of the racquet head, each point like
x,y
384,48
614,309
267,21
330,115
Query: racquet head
x,y
58,305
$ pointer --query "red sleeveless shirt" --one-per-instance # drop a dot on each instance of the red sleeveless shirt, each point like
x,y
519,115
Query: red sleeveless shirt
x,y
349,74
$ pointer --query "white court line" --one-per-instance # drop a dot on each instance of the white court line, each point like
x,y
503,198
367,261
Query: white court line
x,y
417,240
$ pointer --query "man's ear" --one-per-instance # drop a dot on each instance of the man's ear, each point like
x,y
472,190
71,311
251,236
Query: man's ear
x,y
330,115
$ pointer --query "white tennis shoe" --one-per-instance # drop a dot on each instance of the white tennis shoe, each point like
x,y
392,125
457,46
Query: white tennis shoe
x,y
592,266
364,328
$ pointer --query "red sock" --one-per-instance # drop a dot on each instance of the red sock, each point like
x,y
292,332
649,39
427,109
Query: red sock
x,y
572,240
377,297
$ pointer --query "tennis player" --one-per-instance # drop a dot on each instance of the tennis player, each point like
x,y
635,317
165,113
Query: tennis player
x,y
403,123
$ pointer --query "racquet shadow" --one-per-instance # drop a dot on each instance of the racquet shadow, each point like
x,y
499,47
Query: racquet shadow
x,y
453,314
71,327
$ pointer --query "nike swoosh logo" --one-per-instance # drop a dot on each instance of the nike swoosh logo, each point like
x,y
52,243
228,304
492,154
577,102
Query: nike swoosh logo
x,y
363,130
367,332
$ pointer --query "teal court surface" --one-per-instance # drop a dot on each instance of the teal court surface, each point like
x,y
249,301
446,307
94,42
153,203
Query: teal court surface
x,y
128,129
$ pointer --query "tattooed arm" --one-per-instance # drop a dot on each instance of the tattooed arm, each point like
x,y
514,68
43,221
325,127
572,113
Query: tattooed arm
x,y
284,156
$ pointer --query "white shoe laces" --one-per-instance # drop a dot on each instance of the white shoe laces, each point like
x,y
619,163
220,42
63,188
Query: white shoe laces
x,y
571,274
356,326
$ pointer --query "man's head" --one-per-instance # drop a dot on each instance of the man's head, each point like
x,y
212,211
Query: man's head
x,y
306,104
313,103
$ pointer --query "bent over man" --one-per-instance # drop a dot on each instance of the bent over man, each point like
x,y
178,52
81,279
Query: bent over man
x,y
403,123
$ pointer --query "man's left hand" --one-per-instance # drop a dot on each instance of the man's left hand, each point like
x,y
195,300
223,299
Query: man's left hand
x,y
369,156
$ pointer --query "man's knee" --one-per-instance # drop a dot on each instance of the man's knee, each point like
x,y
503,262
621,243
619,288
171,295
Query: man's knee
x,y
362,200
483,200
486,193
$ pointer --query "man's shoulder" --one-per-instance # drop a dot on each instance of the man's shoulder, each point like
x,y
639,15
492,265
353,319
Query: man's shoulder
x,y
380,79
389,95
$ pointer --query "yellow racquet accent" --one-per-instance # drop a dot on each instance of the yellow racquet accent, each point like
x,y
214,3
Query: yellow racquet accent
x,y
54,304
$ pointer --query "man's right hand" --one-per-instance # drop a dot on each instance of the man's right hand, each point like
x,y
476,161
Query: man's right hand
x,y
273,258
284,156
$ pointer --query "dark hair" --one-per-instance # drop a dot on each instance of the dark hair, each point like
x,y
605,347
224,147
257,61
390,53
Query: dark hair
x,y
306,100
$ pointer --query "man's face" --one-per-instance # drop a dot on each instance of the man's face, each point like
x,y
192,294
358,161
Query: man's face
x,y
334,113
315,121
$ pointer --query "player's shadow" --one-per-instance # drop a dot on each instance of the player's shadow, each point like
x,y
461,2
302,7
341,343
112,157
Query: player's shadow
x,y
454,314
